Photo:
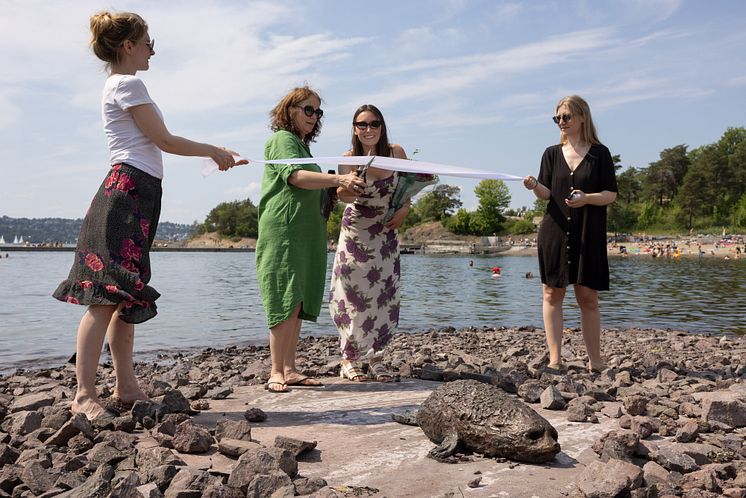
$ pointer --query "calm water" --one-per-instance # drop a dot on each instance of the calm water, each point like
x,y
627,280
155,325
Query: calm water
x,y
211,299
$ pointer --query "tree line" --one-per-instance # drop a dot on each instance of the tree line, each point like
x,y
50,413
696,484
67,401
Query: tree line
x,y
698,189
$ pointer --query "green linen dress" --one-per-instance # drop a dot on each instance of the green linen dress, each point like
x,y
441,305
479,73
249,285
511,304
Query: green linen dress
x,y
291,247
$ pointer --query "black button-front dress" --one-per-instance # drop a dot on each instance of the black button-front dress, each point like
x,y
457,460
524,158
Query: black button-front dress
x,y
572,242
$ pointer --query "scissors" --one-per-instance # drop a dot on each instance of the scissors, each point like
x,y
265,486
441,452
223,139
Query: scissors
x,y
362,170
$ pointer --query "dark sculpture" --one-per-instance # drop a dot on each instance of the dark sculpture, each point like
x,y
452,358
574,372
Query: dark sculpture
x,y
482,418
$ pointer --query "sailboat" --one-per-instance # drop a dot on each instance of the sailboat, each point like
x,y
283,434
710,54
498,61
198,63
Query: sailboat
x,y
15,239
2,240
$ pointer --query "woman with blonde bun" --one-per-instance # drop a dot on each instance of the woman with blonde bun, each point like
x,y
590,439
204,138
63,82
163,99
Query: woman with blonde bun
x,y
111,269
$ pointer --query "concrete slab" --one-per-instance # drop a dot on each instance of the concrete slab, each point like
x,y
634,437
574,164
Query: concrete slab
x,y
359,444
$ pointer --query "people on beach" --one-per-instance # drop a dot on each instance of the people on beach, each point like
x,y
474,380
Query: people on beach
x,y
111,269
291,247
364,297
577,178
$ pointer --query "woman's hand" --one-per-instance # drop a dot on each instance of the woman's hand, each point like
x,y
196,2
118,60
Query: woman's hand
x,y
530,182
351,183
399,216
223,158
576,199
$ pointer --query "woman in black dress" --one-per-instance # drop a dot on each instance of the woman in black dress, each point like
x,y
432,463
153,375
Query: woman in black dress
x,y
577,178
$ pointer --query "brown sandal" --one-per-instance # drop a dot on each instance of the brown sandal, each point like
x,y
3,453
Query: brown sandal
x,y
380,373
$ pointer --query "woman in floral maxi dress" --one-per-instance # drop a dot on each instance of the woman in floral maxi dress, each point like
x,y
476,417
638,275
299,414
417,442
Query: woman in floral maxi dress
x,y
364,297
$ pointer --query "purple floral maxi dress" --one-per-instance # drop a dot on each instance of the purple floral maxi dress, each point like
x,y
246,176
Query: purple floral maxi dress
x,y
364,295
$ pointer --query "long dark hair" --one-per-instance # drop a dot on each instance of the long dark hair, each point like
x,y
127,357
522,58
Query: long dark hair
x,y
383,148
280,115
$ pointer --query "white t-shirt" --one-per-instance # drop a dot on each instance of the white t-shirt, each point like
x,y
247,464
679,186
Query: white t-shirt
x,y
127,143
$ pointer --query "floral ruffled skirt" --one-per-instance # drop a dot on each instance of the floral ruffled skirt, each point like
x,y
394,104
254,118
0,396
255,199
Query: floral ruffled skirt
x,y
112,258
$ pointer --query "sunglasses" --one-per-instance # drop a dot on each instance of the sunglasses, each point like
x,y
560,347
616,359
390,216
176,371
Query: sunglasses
x,y
563,117
151,44
363,125
309,111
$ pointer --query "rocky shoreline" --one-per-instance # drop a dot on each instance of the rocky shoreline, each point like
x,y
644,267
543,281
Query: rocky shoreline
x,y
677,401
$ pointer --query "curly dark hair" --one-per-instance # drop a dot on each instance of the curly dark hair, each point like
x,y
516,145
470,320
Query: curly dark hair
x,y
383,148
280,115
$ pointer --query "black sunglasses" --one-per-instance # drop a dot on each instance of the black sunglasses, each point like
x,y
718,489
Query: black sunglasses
x,y
309,111
563,117
363,125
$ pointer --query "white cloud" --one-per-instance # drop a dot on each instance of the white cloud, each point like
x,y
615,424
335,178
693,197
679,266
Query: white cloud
x,y
244,191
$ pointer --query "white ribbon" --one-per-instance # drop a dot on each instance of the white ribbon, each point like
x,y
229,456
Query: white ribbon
x,y
389,163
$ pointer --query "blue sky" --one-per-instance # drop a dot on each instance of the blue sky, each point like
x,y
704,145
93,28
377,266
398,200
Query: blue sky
x,y
469,83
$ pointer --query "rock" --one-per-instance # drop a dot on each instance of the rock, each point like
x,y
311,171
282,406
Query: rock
x,y
236,447
190,438
731,413
254,415
654,473
530,391
188,479
617,445
687,433
76,425
233,429
24,422
609,479
37,478
96,486
308,485
551,399
635,405
261,461
295,446
483,419
263,485
31,402
673,459
174,402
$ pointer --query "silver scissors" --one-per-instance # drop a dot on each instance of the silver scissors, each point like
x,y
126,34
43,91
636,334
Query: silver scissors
x,y
362,170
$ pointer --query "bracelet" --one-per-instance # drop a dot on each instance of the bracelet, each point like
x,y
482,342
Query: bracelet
x,y
536,184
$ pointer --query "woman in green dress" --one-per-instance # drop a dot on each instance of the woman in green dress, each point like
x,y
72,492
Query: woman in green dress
x,y
291,248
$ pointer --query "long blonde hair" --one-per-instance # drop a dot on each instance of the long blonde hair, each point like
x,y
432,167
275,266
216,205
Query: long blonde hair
x,y
579,107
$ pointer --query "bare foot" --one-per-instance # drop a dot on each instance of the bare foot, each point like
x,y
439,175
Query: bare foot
x,y
128,397
276,383
89,407
298,379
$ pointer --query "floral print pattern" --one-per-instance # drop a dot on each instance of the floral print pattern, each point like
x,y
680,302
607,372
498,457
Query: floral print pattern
x,y
364,296
115,268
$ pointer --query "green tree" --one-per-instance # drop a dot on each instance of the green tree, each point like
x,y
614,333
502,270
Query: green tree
x,y
730,140
665,176
494,199
232,219
334,223
439,203
739,212
695,196
539,208
459,222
